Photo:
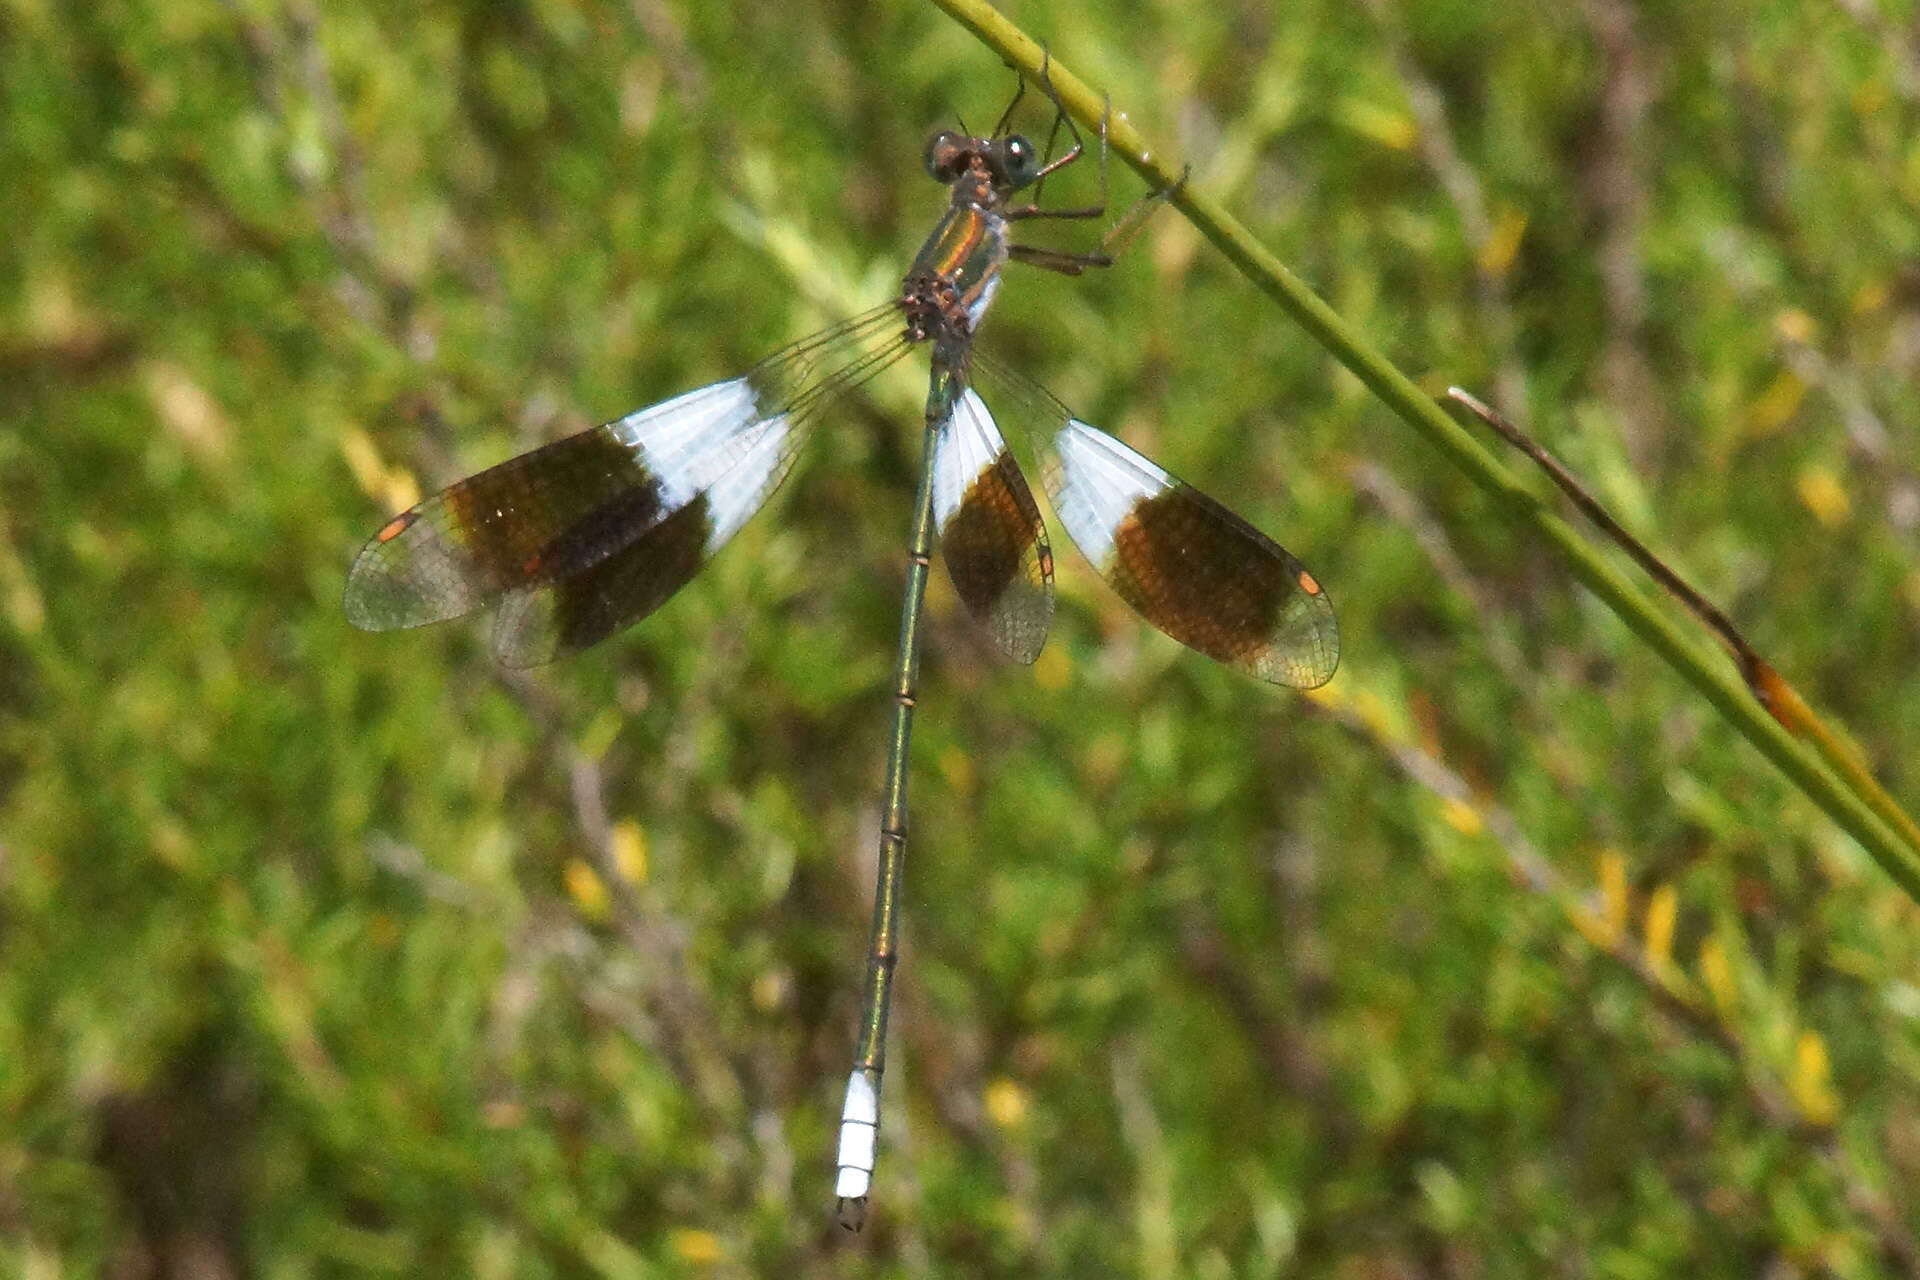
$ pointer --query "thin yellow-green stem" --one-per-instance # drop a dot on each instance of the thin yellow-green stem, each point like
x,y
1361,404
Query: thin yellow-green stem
x,y
1698,666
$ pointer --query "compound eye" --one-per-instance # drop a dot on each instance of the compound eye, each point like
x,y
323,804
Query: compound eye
x,y
946,155
1022,160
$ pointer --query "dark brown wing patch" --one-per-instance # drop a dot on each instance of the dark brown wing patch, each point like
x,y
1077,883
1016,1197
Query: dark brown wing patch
x,y
1214,582
474,541
995,546
585,607
991,534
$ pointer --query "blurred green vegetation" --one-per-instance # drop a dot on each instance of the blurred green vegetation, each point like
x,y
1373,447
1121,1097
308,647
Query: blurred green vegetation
x,y
327,952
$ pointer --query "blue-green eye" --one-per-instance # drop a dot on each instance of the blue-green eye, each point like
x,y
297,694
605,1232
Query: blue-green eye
x,y
1022,161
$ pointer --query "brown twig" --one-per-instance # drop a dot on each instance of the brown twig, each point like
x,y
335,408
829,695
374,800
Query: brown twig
x,y
1768,686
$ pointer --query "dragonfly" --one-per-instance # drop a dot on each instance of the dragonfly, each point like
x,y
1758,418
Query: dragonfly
x,y
584,536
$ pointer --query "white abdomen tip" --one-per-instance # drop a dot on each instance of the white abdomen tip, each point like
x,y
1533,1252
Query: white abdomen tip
x,y
859,1131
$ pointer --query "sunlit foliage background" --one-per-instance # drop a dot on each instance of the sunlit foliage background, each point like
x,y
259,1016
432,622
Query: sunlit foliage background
x,y
327,952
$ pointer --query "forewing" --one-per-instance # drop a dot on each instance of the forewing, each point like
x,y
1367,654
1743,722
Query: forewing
x,y
590,533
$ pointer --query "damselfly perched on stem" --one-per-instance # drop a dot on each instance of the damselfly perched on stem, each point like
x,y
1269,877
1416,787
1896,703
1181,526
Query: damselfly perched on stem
x,y
587,535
